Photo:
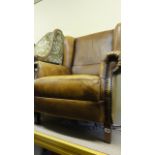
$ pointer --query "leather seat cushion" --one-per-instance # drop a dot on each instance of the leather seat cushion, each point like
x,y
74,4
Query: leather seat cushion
x,y
79,87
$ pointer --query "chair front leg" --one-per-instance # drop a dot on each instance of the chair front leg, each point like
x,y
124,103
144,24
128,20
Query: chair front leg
x,y
108,103
107,134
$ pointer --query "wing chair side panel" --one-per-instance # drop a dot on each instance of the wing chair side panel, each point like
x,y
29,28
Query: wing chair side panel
x,y
68,51
117,38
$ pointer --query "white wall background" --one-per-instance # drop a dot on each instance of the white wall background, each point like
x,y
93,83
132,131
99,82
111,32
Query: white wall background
x,y
77,18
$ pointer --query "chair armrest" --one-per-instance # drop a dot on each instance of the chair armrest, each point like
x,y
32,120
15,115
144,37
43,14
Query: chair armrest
x,y
112,64
114,56
43,69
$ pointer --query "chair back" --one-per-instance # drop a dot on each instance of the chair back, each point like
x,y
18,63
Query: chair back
x,y
83,55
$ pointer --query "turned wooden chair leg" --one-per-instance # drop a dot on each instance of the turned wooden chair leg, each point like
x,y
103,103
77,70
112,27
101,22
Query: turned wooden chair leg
x,y
107,134
37,117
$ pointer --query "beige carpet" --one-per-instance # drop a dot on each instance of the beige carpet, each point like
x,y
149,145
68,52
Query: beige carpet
x,y
82,133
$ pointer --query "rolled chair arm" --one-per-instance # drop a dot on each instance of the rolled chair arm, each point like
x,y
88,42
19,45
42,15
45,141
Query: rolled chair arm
x,y
114,56
35,58
42,69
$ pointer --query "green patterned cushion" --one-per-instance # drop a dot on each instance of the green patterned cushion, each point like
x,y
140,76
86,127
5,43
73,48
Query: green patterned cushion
x,y
50,47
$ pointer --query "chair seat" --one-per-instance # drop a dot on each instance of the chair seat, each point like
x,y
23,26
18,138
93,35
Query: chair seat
x,y
78,87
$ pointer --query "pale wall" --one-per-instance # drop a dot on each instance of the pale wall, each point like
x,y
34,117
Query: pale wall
x,y
77,18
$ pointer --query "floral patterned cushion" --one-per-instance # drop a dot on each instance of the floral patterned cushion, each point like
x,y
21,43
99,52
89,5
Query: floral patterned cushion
x,y
50,47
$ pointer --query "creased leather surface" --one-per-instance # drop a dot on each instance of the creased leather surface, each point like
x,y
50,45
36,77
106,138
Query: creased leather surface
x,y
79,87
89,69
68,51
90,50
85,110
48,69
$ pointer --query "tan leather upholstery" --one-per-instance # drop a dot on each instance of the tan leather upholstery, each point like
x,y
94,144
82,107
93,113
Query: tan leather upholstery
x,y
68,51
81,88
90,50
47,69
78,87
76,109
117,38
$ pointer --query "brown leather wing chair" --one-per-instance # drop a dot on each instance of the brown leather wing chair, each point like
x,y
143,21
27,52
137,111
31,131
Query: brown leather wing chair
x,y
81,88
